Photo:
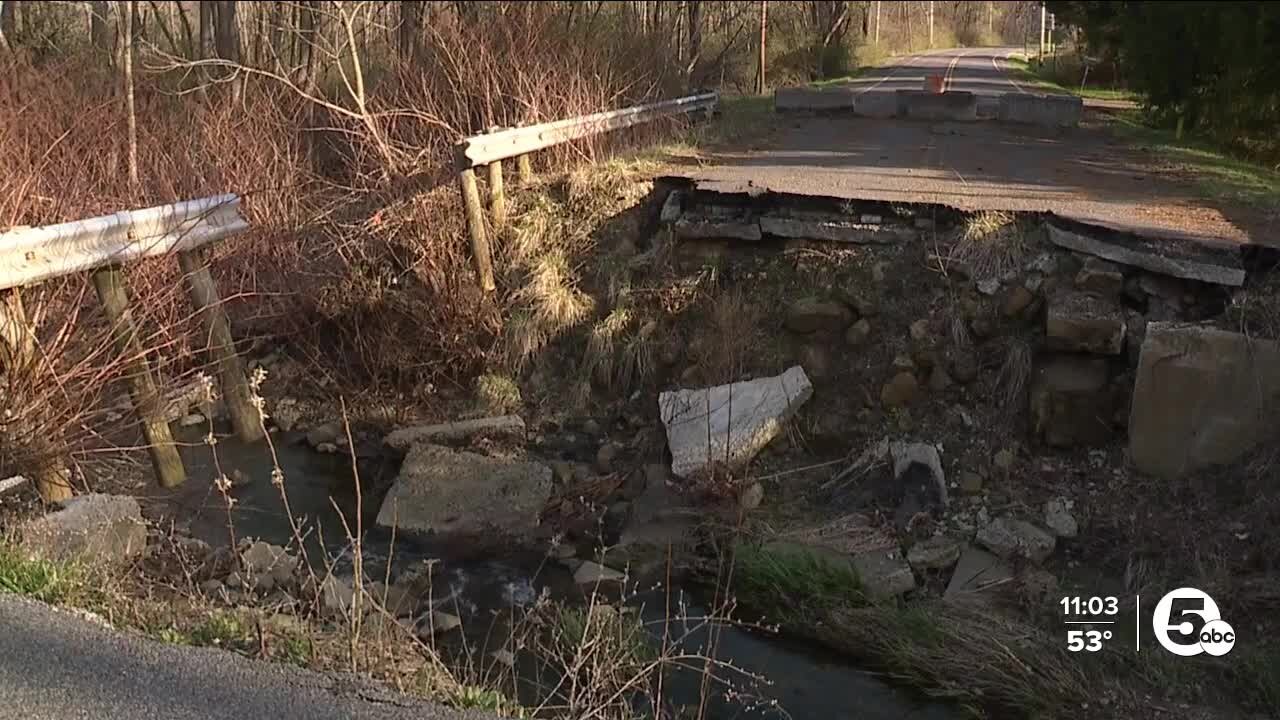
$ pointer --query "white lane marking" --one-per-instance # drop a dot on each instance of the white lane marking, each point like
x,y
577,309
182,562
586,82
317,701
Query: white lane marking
x,y
951,71
1008,75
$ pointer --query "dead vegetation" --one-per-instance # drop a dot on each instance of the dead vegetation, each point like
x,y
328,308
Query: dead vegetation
x,y
991,244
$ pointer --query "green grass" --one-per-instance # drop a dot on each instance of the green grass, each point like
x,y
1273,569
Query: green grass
x,y
1039,77
42,580
221,629
1219,175
793,582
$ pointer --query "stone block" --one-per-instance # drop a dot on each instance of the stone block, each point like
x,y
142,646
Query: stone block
x,y
98,529
1201,397
1101,278
1080,322
1071,401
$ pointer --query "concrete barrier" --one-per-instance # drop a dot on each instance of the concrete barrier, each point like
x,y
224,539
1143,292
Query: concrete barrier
x,y
802,98
950,105
1044,110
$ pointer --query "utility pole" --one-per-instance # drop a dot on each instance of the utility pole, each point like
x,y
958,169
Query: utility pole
x,y
991,17
930,23
1043,16
878,4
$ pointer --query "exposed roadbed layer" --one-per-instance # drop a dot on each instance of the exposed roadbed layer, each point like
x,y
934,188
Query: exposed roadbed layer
x,y
58,665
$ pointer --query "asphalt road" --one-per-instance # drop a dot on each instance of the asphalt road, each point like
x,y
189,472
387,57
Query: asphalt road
x,y
1084,173
55,665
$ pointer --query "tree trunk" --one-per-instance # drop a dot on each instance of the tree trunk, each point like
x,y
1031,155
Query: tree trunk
x,y
693,14
226,41
410,29
98,25
131,116
6,24
764,34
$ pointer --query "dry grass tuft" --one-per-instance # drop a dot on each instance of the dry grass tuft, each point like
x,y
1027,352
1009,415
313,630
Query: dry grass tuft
x,y
1015,373
496,394
729,338
991,244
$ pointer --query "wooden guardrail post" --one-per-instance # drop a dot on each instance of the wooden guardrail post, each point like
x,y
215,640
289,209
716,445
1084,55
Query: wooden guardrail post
x,y
18,356
222,348
480,255
497,196
109,281
524,166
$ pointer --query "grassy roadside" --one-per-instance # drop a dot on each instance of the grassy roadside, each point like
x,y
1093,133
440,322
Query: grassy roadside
x,y
1217,173
992,660
1040,77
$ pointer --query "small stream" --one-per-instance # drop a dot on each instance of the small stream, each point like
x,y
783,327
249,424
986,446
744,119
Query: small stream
x,y
805,682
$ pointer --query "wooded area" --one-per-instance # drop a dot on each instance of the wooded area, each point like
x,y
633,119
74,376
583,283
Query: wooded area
x,y
1207,67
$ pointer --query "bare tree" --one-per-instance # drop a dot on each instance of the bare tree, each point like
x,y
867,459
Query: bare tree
x,y
131,116
830,22
6,23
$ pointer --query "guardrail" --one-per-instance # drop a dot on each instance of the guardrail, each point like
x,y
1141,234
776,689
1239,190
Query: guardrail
x,y
100,245
505,143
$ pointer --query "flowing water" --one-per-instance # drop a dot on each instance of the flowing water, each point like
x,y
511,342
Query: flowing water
x,y
805,682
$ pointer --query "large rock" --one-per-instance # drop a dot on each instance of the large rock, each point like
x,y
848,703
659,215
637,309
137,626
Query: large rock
x,y
1082,322
451,493
1071,402
976,570
729,423
1011,538
811,314
263,560
98,529
1201,397
935,553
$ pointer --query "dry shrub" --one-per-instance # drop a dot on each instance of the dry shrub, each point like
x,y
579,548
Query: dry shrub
x,y
991,244
1015,373
728,339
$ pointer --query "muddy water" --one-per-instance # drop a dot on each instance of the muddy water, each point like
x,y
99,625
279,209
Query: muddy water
x,y
805,682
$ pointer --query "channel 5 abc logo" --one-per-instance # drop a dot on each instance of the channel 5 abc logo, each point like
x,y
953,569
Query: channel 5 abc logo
x,y
1187,622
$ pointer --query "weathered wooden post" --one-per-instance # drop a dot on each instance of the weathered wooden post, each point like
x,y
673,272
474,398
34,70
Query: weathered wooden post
x,y
222,348
480,255
497,196
18,356
109,282
524,167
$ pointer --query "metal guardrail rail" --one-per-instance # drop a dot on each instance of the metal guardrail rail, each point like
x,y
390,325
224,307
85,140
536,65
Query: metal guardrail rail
x,y
101,245
505,143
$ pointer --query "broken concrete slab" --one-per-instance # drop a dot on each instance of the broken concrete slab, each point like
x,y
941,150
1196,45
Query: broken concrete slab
x,y
1202,397
1058,517
729,424
96,528
455,493
804,98
404,438
1011,538
708,227
831,228
976,570
906,454
1081,322
672,207
1071,402
592,573
1182,258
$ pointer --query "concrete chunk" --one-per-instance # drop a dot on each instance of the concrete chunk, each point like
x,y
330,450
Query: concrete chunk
x,y
1100,277
976,571
1080,322
729,423
832,229
1010,538
802,98
1043,110
454,493
95,528
404,438
709,228
952,105
1202,397
1177,257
